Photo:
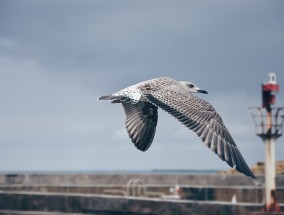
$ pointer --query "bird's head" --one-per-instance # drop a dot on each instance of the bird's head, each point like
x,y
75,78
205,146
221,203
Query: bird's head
x,y
192,88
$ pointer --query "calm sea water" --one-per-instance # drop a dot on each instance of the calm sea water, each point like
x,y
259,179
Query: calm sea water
x,y
154,171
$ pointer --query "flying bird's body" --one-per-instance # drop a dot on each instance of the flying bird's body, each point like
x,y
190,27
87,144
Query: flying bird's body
x,y
141,102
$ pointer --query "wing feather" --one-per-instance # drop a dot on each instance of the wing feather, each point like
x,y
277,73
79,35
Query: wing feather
x,y
141,121
200,117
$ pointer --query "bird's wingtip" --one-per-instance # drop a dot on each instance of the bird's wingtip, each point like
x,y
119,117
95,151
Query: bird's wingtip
x,y
253,176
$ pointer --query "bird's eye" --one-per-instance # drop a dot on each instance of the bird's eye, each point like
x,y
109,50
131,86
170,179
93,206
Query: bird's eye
x,y
191,85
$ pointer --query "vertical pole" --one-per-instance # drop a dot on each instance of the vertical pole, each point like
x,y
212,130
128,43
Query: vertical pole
x,y
269,169
269,160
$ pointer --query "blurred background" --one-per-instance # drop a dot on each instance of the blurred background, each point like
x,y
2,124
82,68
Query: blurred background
x,y
57,57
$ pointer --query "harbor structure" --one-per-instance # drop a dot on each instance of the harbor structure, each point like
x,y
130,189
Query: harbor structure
x,y
268,121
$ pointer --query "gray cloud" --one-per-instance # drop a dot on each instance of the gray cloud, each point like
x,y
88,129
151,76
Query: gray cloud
x,y
56,58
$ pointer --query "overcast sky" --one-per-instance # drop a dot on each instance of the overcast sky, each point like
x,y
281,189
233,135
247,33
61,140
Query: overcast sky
x,y
57,57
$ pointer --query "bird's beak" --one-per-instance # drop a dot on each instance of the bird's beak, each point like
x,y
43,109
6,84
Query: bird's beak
x,y
202,91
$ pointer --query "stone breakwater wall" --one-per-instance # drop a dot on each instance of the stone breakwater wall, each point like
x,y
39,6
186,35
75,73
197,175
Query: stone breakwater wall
x,y
121,178
85,193
110,205
211,187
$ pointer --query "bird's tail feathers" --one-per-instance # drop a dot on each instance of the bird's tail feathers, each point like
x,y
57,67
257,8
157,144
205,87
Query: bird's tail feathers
x,y
109,97
115,99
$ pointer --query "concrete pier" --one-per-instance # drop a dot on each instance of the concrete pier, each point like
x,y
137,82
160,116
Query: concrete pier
x,y
104,204
86,194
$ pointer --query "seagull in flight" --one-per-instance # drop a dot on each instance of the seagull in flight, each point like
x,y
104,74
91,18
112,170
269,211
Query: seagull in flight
x,y
141,102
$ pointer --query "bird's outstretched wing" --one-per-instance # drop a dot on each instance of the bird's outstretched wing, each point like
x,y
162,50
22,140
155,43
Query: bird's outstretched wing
x,y
200,117
141,121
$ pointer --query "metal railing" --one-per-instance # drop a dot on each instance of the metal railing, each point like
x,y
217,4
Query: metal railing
x,y
264,127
